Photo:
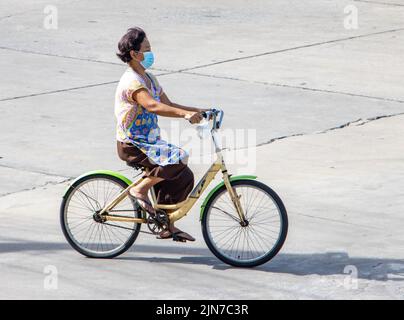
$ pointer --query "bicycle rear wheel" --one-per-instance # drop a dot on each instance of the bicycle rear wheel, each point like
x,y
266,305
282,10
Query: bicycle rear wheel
x,y
245,244
83,228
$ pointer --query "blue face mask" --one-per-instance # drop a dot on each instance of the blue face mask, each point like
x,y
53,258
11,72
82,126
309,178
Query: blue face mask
x,y
148,59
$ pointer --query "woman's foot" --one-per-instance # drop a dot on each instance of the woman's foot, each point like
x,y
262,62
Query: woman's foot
x,y
176,234
143,201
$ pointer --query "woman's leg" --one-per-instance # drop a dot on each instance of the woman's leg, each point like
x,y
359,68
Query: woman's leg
x,y
176,189
140,192
144,186
173,191
172,183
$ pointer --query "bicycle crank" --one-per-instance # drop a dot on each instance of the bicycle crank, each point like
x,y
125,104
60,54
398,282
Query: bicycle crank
x,y
158,223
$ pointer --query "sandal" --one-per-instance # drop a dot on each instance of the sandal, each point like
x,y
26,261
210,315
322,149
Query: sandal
x,y
168,235
182,236
179,236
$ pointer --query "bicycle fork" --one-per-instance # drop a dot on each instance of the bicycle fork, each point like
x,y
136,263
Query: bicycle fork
x,y
235,198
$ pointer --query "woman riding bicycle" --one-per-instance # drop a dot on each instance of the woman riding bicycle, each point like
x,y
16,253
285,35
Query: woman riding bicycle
x,y
139,98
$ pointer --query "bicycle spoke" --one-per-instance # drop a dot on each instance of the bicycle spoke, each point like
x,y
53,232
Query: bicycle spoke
x,y
80,220
255,239
227,214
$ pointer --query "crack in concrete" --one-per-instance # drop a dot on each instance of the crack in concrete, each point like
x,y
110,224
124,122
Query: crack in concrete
x,y
382,3
121,64
272,140
17,14
60,56
296,87
58,91
358,122
5,17
291,49
35,187
338,221
331,91
36,171
185,70
381,117
216,77
67,89
168,72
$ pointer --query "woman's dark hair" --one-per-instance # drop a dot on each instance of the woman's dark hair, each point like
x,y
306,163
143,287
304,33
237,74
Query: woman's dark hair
x,y
130,41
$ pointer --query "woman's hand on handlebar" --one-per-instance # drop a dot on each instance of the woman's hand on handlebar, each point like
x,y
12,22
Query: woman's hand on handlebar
x,y
194,117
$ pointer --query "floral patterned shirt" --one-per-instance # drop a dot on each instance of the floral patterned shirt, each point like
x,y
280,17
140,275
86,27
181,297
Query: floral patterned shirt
x,y
140,127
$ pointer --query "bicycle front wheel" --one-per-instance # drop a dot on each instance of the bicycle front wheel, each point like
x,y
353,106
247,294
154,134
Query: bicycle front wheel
x,y
84,228
254,241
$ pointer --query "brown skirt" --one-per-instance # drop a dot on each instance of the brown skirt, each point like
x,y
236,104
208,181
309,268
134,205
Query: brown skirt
x,y
178,178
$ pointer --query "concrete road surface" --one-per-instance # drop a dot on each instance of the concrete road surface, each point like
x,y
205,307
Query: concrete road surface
x,y
313,94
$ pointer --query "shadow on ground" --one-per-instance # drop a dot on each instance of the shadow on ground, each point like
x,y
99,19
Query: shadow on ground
x,y
329,263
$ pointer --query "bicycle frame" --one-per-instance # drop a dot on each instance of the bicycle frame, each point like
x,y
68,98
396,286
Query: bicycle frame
x,y
179,210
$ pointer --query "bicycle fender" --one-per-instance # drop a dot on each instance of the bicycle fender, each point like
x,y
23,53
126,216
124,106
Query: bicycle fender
x,y
106,172
232,178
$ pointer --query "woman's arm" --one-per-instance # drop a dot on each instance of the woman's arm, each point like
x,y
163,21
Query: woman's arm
x,y
167,101
143,97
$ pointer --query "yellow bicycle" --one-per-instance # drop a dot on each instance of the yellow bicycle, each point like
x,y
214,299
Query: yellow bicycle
x,y
244,222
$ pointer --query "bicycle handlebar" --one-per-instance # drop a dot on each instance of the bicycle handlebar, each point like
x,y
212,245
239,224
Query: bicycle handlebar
x,y
216,115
